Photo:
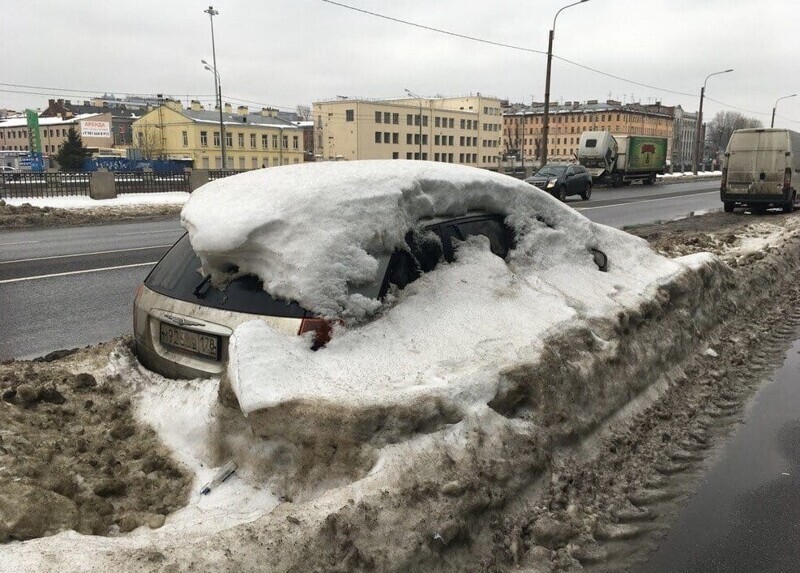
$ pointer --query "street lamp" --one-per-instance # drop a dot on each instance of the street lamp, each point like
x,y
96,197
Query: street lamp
x,y
217,84
772,123
698,135
412,94
546,118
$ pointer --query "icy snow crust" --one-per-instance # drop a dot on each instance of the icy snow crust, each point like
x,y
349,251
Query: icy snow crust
x,y
438,345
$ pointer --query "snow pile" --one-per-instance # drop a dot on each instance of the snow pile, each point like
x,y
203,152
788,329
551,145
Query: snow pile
x,y
438,347
86,202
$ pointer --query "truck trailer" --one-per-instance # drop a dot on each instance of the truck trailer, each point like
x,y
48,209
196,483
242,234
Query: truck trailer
x,y
620,159
761,169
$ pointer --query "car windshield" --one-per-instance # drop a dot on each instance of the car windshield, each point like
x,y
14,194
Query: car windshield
x,y
551,171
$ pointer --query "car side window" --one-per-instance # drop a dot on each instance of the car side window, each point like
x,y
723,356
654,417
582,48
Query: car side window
x,y
500,236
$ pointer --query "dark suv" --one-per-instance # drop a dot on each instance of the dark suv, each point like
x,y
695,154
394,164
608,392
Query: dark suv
x,y
562,180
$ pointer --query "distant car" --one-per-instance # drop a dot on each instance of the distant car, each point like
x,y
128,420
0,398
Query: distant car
x,y
183,322
562,180
8,170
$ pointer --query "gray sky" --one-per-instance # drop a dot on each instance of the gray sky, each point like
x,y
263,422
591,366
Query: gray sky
x,y
288,52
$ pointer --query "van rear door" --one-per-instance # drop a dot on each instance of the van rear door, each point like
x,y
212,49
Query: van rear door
x,y
756,162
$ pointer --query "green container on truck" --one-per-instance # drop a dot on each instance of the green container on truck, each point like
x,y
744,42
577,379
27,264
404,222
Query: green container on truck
x,y
761,170
620,159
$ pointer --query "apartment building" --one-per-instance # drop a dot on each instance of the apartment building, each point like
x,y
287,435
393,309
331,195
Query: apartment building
x,y
464,130
252,140
94,129
522,126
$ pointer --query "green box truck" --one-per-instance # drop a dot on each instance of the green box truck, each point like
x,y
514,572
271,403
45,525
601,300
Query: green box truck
x,y
620,159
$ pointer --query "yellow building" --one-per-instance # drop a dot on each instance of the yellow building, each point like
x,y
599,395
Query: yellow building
x,y
253,140
522,128
464,130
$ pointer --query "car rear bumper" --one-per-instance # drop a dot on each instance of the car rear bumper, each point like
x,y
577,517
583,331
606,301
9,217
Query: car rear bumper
x,y
755,198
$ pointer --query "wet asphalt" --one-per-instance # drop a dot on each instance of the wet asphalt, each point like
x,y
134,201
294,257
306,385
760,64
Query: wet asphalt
x,y
745,516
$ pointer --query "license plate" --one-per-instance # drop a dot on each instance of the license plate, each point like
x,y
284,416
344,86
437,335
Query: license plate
x,y
190,341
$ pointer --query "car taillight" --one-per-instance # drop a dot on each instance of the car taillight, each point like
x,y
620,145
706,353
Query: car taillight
x,y
724,183
787,178
322,330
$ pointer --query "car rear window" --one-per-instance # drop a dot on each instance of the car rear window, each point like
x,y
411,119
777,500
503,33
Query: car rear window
x,y
177,276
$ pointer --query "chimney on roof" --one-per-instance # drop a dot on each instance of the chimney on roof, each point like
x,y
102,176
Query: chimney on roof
x,y
269,112
242,110
196,105
173,104
613,102
228,108
51,102
591,102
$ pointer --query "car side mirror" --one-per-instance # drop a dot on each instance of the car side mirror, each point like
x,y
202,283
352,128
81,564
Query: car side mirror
x,y
600,259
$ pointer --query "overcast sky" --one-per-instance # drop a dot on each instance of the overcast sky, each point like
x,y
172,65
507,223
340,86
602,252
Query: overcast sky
x,y
289,52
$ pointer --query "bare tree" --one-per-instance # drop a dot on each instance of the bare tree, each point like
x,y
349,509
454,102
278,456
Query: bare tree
x,y
148,141
304,112
719,129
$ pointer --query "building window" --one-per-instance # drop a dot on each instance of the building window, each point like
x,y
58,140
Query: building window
x,y
395,155
436,157
378,116
408,138
436,139
409,121
425,121
228,139
387,117
437,121
349,115
424,156
264,141
424,139
216,139
450,140
185,135
203,139
395,138
252,140
396,119
416,120
274,142
241,139
463,123
377,137
387,137
254,162
452,124
285,142
461,140
295,142
416,139
408,155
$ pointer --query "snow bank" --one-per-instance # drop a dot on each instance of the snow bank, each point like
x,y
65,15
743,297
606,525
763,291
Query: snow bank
x,y
438,347
86,202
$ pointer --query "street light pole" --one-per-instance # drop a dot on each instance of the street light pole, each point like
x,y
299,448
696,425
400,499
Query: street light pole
x,y
775,107
412,94
217,83
698,135
546,118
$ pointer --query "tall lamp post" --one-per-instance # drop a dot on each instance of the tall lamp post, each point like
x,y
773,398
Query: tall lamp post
x,y
412,94
699,134
772,123
217,84
546,118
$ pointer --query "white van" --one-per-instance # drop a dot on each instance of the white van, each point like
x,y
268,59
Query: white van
x,y
761,169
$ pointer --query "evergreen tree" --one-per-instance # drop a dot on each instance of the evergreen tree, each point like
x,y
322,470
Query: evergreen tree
x,y
72,153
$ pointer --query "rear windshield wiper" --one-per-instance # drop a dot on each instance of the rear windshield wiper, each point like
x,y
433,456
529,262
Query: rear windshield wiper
x,y
198,290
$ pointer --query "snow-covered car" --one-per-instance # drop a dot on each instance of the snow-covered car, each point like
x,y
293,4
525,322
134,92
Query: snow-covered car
x,y
188,308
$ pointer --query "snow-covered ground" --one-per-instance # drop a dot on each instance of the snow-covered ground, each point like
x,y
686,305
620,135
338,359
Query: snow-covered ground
x,y
470,376
690,174
86,202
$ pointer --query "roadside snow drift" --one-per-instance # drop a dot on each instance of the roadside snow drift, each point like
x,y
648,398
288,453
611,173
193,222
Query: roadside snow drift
x,y
438,347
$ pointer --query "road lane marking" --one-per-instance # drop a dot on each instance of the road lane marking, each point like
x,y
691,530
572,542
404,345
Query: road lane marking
x,y
151,232
85,254
76,272
646,201
18,243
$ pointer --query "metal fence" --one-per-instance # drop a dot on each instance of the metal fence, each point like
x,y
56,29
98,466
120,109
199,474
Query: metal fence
x,y
150,182
26,184
222,173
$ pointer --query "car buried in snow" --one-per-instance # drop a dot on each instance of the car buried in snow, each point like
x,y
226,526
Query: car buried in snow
x,y
280,270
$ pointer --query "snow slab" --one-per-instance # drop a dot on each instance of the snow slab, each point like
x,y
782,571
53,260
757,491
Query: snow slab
x,y
86,202
437,348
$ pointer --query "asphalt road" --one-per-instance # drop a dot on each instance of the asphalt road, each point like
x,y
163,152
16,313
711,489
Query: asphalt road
x,y
63,288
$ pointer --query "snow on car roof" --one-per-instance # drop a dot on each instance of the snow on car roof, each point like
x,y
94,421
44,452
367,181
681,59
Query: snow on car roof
x,y
311,230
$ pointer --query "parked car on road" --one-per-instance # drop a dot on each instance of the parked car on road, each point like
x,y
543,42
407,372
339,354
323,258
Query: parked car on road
x,y
562,180
183,320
